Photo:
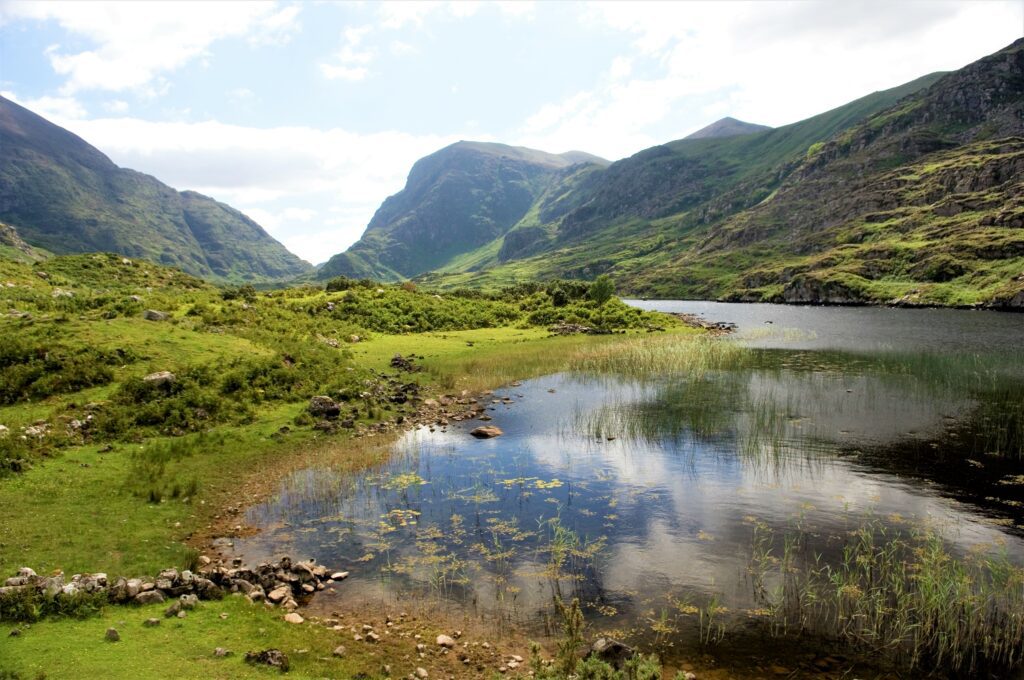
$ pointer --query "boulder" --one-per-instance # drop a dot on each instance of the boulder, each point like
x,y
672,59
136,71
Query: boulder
x,y
154,315
445,641
279,594
149,597
274,658
612,652
324,407
293,617
487,432
207,589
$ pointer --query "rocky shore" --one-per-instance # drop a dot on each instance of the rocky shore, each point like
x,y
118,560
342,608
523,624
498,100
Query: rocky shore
x,y
283,583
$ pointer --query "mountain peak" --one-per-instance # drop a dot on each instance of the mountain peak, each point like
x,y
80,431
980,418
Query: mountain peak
x,y
727,127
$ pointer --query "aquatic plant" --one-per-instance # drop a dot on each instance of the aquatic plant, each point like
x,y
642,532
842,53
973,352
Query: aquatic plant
x,y
901,594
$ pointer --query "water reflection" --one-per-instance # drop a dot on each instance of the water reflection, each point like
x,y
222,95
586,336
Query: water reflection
x,y
642,496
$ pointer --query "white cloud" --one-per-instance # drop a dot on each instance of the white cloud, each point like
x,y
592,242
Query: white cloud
x,y
314,190
51,108
116,106
137,42
770,63
278,28
402,49
241,94
350,61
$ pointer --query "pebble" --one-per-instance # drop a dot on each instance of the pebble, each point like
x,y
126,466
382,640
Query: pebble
x,y
421,673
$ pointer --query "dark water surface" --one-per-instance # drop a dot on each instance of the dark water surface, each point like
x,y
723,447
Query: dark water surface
x,y
641,496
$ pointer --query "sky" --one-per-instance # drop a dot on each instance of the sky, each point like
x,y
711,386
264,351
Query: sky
x,y
306,115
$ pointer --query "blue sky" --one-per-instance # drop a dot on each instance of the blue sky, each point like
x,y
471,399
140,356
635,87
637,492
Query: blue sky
x,y
307,115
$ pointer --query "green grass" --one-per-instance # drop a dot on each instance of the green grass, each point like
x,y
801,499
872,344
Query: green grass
x,y
178,648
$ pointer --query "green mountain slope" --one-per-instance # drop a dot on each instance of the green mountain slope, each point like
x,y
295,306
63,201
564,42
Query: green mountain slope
x,y
643,211
455,201
67,197
727,127
912,196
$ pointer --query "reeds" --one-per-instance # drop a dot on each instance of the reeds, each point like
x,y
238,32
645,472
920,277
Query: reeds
x,y
900,594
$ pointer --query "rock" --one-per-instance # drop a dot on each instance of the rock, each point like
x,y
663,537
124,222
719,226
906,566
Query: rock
x,y
293,617
339,576
149,597
220,651
372,637
274,658
612,652
161,378
339,651
445,641
154,315
189,601
112,635
487,432
169,575
207,589
149,623
422,674
4,431
324,407
278,594
173,610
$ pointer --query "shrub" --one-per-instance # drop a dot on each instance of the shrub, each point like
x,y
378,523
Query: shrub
x,y
602,289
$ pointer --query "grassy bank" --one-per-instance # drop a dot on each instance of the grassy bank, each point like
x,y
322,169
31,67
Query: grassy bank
x,y
102,470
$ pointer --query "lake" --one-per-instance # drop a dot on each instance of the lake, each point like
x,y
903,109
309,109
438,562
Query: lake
x,y
659,502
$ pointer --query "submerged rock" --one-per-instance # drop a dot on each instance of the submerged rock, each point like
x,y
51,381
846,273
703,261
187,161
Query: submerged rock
x,y
487,432
612,652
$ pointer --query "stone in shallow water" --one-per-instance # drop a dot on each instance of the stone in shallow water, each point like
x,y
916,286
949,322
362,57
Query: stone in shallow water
x,y
487,432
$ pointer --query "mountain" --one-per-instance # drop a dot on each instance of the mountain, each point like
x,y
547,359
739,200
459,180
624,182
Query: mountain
x,y
644,210
455,200
727,127
911,195
65,196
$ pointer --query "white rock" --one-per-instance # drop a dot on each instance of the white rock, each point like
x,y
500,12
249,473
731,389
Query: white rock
x,y
293,617
445,641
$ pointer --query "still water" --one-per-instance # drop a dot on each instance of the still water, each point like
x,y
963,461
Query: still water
x,y
641,496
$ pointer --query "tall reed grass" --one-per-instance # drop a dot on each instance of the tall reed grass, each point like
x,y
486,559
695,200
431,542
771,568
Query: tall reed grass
x,y
900,594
